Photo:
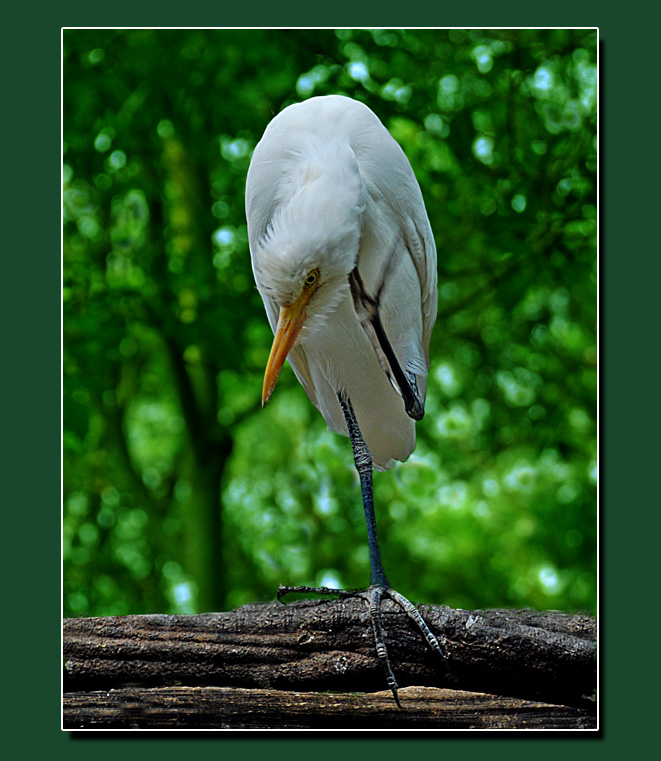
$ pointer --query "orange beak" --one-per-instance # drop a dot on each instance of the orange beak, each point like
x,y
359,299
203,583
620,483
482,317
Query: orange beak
x,y
290,322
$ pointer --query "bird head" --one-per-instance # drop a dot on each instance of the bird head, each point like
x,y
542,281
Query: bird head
x,y
310,246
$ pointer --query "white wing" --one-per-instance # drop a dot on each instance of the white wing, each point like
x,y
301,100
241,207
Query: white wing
x,y
396,242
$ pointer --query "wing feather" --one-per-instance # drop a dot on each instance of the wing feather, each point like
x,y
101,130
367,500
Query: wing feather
x,y
394,204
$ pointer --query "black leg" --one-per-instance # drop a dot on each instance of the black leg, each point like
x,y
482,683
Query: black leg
x,y
379,584
363,459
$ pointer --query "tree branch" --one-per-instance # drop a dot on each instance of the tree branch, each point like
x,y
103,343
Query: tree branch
x,y
251,659
240,708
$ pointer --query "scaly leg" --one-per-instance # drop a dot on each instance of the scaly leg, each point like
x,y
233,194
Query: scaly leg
x,y
379,584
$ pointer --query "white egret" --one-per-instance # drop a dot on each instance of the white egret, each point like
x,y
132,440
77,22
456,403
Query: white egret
x,y
344,259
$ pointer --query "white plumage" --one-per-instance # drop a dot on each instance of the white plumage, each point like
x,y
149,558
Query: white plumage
x,y
344,259
329,190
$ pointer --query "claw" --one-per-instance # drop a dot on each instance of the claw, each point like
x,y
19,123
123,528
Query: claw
x,y
374,595
414,614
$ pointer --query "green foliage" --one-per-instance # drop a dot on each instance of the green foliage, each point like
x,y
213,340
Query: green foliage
x,y
181,494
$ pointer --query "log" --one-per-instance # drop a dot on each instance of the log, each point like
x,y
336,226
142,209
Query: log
x,y
240,708
276,665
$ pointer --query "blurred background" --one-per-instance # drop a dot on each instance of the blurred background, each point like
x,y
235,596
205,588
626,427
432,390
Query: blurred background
x,y
182,495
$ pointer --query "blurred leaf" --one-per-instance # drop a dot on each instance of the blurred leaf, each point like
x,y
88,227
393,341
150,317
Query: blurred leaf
x,y
180,493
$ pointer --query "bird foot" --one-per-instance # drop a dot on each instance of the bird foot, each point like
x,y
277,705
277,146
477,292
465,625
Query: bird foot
x,y
374,594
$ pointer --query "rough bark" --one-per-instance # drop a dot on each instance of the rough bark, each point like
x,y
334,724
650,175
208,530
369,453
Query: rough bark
x,y
240,708
271,665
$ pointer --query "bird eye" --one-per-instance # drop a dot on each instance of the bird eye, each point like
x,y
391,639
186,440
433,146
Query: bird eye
x,y
311,280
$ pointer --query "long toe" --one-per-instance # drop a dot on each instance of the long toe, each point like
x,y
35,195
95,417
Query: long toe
x,y
414,614
375,595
